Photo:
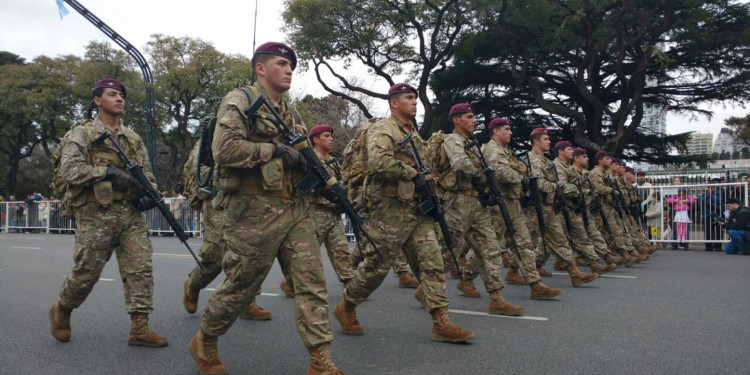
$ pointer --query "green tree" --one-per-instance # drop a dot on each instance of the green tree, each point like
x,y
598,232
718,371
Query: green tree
x,y
740,128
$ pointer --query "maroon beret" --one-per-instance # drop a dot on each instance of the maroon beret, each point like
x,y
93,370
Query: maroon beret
x,y
579,151
629,170
563,144
278,49
320,129
111,83
602,154
498,121
540,131
460,108
401,88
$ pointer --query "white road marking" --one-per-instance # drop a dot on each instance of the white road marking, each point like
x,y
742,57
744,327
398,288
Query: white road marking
x,y
539,318
606,275
105,279
34,238
195,243
209,289
166,255
270,294
24,247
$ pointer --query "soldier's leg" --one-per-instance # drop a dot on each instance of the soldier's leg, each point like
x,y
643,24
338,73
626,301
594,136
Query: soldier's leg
x,y
337,248
580,239
422,245
527,261
596,237
211,256
134,258
399,264
541,253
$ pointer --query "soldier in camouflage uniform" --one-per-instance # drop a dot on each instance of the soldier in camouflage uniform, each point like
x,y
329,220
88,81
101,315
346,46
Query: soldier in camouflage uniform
x,y
264,217
637,237
554,239
99,192
211,252
392,189
632,191
511,177
631,238
459,179
573,223
580,166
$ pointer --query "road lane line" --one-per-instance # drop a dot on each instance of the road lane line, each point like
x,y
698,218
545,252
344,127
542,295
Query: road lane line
x,y
105,279
24,247
270,294
167,255
209,289
605,276
538,318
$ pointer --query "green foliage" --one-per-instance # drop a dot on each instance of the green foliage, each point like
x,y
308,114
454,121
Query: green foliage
x,y
740,128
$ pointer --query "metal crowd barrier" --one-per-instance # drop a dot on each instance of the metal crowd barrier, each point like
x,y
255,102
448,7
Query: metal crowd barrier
x,y
44,217
685,214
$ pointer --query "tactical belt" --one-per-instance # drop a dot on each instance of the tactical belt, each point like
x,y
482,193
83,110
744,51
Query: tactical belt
x,y
251,183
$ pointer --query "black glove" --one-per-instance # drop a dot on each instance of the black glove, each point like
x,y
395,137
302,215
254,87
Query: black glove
x,y
420,184
121,180
292,158
479,179
486,199
525,184
143,203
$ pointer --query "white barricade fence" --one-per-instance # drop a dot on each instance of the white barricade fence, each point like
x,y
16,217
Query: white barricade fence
x,y
44,217
684,214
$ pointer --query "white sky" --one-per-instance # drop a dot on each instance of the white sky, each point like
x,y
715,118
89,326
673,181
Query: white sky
x,y
33,27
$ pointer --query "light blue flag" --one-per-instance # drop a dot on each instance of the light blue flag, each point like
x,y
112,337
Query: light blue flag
x,y
61,8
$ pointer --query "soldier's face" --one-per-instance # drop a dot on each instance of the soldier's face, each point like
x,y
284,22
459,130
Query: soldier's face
x,y
465,123
582,161
112,102
606,161
405,104
504,133
325,141
566,153
544,142
277,73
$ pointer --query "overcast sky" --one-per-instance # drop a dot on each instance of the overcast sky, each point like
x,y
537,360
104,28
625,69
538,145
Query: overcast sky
x,y
33,27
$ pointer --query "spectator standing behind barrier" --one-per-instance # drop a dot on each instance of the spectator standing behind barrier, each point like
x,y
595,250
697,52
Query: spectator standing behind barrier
x,y
713,203
653,217
680,207
676,181
737,226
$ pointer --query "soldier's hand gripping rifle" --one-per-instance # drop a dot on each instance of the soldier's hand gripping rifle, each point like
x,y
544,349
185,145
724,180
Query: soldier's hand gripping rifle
x,y
431,205
149,196
534,197
580,207
317,176
596,205
560,204
616,196
497,195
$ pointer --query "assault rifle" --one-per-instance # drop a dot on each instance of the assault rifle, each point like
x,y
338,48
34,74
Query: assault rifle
x,y
580,207
534,197
317,176
560,204
617,203
597,204
431,206
494,188
149,197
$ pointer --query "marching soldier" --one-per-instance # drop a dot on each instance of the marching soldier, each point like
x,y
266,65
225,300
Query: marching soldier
x,y
572,218
640,242
459,181
511,176
392,189
264,218
100,190
554,238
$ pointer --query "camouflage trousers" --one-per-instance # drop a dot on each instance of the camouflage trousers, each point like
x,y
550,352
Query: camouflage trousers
x,y
527,262
211,252
99,232
399,265
471,224
257,230
638,237
615,231
554,237
595,235
330,231
579,237
397,228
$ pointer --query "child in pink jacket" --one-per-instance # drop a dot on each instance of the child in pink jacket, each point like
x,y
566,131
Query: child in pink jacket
x,y
680,206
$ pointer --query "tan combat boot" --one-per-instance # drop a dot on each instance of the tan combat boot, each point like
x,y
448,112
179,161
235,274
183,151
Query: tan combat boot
x,y
543,273
500,306
321,362
579,262
541,291
652,248
611,261
255,312
634,254
513,277
288,292
59,317
579,278
346,314
558,266
598,268
407,280
506,260
203,349
419,296
443,330
141,335
468,289
190,298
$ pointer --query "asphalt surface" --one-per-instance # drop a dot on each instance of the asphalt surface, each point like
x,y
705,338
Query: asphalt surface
x,y
678,313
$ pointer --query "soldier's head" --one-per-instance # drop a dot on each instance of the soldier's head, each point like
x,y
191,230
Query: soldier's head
x,y
500,130
322,137
564,150
603,159
540,141
402,100
629,175
580,158
273,64
109,96
463,118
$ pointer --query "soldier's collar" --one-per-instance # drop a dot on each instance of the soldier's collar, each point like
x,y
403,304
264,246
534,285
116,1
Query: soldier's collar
x,y
408,126
100,127
280,106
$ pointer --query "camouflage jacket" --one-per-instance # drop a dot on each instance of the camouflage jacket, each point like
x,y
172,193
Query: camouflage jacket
x,y
462,164
597,178
547,185
317,197
508,169
566,174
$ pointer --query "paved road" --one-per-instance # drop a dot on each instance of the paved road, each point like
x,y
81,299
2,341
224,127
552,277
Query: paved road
x,y
680,312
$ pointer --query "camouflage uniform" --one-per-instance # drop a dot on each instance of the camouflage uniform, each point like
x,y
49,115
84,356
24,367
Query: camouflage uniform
x,y
393,220
555,235
105,221
594,233
637,236
618,240
509,174
467,220
263,219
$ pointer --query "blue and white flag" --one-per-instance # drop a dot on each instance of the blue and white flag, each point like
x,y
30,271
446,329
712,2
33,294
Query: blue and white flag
x,y
61,8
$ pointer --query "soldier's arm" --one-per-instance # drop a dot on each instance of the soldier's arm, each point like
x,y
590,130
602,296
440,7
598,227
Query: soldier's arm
x,y
74,164
230,145
380,156
545,185
458,157
503,170
597,179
